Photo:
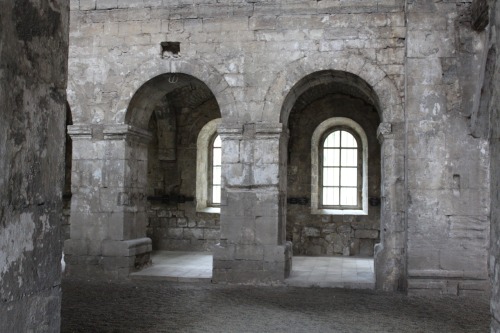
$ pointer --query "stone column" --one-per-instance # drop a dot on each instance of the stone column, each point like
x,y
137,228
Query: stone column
x,y
390,260
252,247
108,215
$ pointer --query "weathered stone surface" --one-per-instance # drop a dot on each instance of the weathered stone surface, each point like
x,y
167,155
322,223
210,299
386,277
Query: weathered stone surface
x,y
410,76
33,76
490,100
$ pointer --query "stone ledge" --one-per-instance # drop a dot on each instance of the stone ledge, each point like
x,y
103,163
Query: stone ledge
x,y
435,273
126,248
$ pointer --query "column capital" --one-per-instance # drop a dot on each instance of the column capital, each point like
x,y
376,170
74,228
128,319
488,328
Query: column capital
x,y
384,132
123,132
80,131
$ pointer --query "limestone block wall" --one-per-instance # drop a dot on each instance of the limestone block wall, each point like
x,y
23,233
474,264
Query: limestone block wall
x,y
173,220
233,47
448,169
33,77
489,102
415,58
321,234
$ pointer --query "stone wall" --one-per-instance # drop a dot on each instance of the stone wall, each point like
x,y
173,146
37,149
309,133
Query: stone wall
x,y
413,61
448,179
33,74
490,100
315,234
173,220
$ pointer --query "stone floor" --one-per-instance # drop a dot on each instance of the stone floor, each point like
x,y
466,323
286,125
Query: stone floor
x,y
333,272
163,306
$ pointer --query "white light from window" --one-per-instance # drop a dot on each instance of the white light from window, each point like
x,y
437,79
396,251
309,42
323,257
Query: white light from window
x,y
216,171
340,169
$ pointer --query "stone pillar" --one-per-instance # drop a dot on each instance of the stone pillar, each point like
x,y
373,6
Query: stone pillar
x,y
390,261
494,116
252,247
108,209
33,77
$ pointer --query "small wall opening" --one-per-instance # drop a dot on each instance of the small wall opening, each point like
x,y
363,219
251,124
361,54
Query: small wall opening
x,y
170,49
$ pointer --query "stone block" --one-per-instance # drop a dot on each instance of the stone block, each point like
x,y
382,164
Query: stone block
x,y
77,247
129,28
371,234
126,248
237,174
106,4
275,253
193,233
115,263
262,22
311,232
175,233
248,252
213,234
438,44
266,230
226,252
130,4
87,4
267,174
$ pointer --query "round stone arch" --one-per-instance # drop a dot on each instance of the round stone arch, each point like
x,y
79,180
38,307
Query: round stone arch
x,y
153,69
371,83
283,92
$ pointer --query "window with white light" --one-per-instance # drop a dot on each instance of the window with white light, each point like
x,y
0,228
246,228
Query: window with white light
x,y
214,189
340,171
208,168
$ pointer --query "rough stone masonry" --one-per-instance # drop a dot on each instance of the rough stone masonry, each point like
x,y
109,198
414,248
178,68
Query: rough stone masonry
x,y
33,76
151,81
147,76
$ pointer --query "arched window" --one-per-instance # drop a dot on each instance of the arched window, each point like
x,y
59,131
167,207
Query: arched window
x,y
339,173
341,170
208,168
214,185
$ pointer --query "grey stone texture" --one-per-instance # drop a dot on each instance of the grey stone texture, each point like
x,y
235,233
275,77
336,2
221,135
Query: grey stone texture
x,y
33,78
315,234
204,307
409,72
173,220
488,107
447,181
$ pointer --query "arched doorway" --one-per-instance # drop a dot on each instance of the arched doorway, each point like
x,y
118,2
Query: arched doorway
x,y
179,107
177,110
330,102
327,96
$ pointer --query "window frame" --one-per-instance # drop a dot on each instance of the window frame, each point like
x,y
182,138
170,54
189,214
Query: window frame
x,y
359,168
203,147
317,141
210,171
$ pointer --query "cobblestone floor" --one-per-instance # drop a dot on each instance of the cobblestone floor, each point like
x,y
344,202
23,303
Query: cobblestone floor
x,y
159,306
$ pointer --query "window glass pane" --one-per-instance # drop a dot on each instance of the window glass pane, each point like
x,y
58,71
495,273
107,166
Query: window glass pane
x,y
333,140
349,177
348,140
217,141
331,157
217,156
216,178
331,177
216,195
348,196
331,196
349,157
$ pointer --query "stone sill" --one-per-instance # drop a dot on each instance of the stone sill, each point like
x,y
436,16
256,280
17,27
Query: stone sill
x,y
209,210
339,212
